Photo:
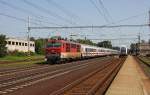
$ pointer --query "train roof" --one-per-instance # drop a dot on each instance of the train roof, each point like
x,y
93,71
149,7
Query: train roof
x,y
64,41
96,47
84,45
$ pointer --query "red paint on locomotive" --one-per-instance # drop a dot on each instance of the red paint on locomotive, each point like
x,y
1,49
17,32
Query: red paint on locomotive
x,y
61,49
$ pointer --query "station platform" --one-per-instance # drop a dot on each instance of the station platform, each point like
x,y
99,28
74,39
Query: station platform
x,y
130,80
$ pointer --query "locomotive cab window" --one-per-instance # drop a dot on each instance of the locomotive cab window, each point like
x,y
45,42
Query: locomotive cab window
x,y
73,45
54,44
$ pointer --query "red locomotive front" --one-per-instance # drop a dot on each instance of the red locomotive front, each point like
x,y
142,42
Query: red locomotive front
x,y
61,50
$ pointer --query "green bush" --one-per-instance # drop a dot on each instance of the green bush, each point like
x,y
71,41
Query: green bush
x,y
3,49
18,53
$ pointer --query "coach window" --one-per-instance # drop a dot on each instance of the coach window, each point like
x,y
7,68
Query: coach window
x,y
25,44
86,50
13,43
9,42
22,44
16,43
19,43
94,50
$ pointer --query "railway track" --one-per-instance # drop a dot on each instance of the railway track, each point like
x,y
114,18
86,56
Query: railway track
x,y
9,71
94,83
25,72
18,69
9,84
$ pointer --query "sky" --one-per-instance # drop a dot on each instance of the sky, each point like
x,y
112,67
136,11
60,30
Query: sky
x,y
14,16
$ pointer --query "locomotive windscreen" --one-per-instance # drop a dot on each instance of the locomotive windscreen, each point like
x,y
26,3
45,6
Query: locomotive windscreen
x,y
53,44
123,49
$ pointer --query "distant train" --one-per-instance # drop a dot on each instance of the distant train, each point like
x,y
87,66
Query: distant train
x,y
123,51
62,50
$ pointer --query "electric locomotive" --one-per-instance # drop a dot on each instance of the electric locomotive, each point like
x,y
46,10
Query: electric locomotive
x,y
58,50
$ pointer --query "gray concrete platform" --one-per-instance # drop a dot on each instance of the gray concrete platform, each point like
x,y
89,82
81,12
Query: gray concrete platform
x,y
129,80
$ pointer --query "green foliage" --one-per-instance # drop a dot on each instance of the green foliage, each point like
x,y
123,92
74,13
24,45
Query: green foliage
x,y
32,39
134,48
13,58
18,53
3,49
105,44
88,42
40,45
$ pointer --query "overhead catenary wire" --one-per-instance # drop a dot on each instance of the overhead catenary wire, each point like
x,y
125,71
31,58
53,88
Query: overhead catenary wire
x,y
82,27
69,13
129,18
105,11
99,11
44,10
107,14
17,18
64,10
26,11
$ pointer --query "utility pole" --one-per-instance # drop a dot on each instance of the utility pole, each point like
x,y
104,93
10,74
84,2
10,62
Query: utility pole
x,y
28,38
139,38
149,29
85,38
138,45
149,19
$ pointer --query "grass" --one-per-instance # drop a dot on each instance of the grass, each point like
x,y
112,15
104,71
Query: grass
x,y
145,59
20,58
21,61
145,67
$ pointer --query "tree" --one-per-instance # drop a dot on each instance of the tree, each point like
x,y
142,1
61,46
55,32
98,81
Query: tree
x,y
40,45
3,49
134,48
32,39
105,44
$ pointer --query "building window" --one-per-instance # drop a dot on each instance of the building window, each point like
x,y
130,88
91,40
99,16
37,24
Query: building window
x,y
22,44
19,43
25,44
13,43
9,42
30,45
33,45
16,43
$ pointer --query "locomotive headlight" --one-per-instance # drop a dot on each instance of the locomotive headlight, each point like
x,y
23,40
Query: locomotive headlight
x,y
45,59
62,56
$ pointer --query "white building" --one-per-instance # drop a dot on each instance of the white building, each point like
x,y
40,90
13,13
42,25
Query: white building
x,y
20,45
